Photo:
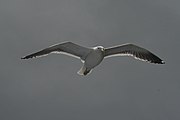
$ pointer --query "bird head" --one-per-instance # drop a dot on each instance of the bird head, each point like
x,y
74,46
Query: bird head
x,y
99,48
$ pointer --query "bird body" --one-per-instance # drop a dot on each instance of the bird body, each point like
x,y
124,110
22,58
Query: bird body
x,y
91,57
94,58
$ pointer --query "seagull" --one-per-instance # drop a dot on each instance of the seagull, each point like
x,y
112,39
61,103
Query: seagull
x,y
91,57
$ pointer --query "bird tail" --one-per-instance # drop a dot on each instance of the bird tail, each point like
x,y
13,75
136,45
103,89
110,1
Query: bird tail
x,y
84,71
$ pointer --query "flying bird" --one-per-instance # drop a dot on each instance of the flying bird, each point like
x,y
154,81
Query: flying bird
x,y
91,57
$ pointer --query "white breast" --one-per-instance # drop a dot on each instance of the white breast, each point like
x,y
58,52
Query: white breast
x,y
94,58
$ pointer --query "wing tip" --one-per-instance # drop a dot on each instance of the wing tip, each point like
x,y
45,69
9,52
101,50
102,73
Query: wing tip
x,y
162,62
154,59
26,57
157,62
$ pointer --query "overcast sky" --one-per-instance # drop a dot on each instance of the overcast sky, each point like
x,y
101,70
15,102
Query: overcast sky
x,y
120,88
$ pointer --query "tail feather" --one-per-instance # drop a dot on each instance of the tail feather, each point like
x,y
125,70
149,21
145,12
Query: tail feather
x,y
83,71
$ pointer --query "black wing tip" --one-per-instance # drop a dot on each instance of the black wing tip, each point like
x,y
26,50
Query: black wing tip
x,y
27,57
162,62
154,59
24,57
157,62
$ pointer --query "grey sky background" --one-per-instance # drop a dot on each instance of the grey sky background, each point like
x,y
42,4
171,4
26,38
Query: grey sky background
x,y
120,88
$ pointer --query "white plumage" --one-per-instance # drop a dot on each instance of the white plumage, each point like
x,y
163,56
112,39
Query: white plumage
x,y
92,57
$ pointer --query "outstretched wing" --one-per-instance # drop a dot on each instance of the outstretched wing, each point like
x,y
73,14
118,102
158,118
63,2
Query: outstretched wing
x,y
133,50
68,48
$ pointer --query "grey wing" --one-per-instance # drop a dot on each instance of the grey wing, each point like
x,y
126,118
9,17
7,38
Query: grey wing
x,y
133,50
68,48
